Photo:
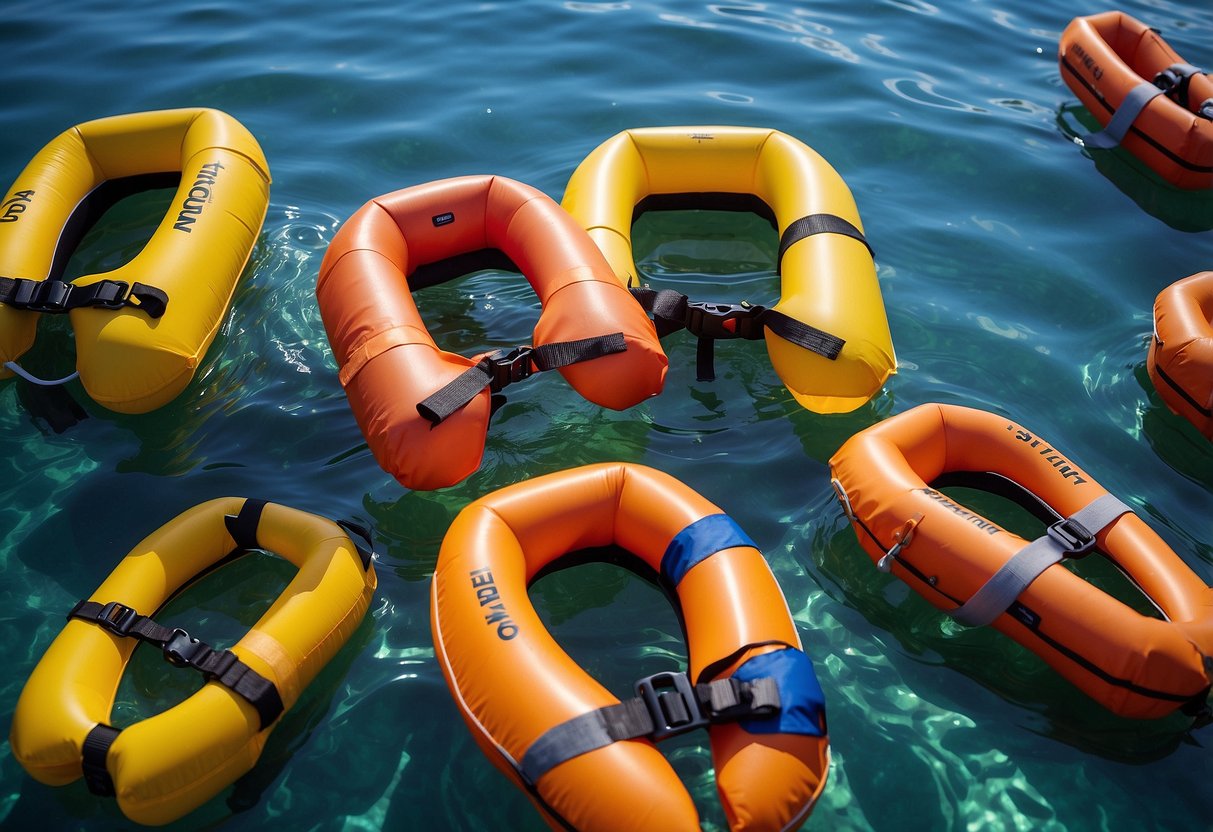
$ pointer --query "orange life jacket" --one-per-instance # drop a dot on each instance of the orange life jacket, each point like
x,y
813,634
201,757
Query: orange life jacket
x,y
888,478
425,411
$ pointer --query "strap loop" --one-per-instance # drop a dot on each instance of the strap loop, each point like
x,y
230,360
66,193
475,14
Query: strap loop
x,y
1116,129
819,224
1175,81
93,752
55,296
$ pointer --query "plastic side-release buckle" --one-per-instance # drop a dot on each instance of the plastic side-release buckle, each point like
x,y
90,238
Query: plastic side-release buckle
x,y
507,366
117,618
181,650
724,320
672,704
1073,536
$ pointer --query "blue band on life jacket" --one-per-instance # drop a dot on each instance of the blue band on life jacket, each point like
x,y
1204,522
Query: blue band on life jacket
x,y
801,703
698,541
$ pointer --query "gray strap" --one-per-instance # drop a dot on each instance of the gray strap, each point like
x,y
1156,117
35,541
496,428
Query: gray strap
x,y
1123,118
1074,535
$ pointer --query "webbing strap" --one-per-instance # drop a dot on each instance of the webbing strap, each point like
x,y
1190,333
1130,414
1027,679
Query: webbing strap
x,y
93,752
55,296
709,322
655,714
504,367
819,224
242,526
802,334
180,650
1071,536
1114,133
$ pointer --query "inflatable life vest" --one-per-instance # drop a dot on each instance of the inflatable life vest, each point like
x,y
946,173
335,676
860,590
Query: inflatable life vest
x,y
1180,361
584,758
166,765
827,337
142,329
425,411
888,478
1148,99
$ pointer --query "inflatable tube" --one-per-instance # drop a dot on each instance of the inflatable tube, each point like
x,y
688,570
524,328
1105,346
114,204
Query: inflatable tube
x,y
166,765
540,717
1180,361
888,479
1148,99
140,330
389,364
827,274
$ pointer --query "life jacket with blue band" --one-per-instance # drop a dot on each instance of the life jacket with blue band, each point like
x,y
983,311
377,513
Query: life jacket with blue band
x,y
771,693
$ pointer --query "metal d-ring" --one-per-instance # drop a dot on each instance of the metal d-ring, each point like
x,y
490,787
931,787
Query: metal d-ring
x,y
901,538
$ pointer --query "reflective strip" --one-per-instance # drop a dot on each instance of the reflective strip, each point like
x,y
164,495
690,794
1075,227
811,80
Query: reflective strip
x,y
1123,118
1005,585
699,541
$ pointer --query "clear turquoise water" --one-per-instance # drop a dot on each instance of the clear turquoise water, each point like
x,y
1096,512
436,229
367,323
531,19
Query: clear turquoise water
x,y
1018,277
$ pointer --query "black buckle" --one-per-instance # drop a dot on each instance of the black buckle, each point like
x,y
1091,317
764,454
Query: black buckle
x,y
1167,80
180,650
117,618
507,366
110,294
710,320
44,296
1073,536
672,704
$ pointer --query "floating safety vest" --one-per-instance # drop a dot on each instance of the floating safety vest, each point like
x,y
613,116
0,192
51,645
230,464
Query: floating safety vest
x,y
889,479
142,329
1148,99
585,758
166,765
1180,360
827,337
425,411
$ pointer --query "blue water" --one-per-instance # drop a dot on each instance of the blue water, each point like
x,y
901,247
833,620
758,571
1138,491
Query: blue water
x,y
1019,276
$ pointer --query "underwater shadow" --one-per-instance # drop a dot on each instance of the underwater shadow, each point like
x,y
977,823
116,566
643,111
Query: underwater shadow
x,y
1182,210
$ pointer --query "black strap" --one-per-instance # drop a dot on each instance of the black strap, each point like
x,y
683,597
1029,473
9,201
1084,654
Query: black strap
x,y
355,531
667,704
819,224
242,526
504,367
180,650
709,322
93,752
55,296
